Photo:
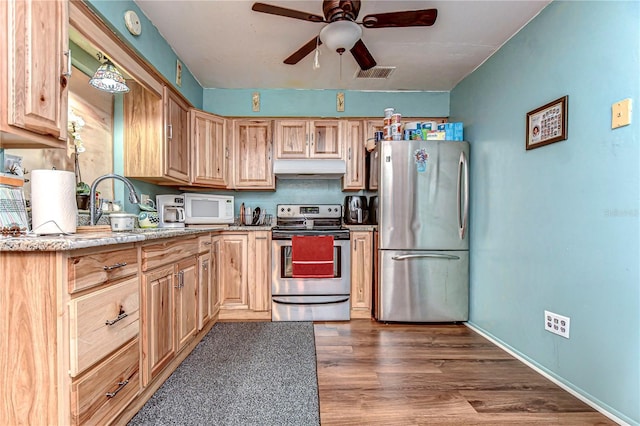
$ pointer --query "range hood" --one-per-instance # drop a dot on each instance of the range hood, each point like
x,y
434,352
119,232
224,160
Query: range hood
x,y
309,169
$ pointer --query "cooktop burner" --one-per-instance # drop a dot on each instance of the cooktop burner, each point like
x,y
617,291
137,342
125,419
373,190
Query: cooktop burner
x,y
309,219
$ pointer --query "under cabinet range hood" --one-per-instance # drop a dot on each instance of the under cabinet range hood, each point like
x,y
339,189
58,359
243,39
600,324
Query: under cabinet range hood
x,y
309,169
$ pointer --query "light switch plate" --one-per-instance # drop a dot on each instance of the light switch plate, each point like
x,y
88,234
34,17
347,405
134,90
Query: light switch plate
x,y
340,102
178,73
621,113
255,102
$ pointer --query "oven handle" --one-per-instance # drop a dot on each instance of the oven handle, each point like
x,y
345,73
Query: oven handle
x,y
282,302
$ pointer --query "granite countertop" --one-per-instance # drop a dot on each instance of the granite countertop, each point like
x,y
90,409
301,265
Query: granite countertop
x,y
104,238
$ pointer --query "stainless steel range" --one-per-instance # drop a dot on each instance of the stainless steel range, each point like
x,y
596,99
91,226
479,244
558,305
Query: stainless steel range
x,y
310,299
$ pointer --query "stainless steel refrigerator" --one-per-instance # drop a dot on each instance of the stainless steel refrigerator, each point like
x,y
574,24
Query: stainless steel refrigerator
x,y
423,248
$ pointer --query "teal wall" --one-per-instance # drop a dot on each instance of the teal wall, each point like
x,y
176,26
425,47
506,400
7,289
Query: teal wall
x,y
150,45
558,227
322,103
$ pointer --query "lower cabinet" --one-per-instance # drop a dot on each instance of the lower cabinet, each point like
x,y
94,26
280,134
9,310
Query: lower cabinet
x,y
245,287
170,301
361,273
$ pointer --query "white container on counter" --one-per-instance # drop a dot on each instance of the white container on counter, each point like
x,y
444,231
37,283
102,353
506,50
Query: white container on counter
x,y
122,221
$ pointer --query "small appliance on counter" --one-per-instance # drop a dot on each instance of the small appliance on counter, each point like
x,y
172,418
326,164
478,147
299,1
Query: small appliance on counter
x,y
208,209
355,210
373,210
170,211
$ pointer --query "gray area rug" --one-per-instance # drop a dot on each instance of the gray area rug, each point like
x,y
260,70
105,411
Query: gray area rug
x,y
251,373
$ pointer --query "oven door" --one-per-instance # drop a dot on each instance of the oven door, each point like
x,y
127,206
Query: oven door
x,y
284,284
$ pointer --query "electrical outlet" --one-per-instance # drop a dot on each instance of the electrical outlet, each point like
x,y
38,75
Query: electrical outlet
x,y
557,324
144,198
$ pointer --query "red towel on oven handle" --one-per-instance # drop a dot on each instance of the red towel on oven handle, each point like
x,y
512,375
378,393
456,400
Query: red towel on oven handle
x,y
312,256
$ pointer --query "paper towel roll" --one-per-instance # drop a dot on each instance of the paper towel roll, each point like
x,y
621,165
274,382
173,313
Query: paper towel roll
x,y
53,202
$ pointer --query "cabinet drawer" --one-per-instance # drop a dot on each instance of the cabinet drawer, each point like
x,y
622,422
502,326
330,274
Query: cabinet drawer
x,y
101,322
204,243
94,269
106,390
170,251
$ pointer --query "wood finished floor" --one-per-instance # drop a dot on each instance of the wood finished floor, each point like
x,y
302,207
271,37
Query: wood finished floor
x,y
393,374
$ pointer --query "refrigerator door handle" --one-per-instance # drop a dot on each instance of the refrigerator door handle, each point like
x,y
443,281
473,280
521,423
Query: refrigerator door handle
x,y
463,203
426,255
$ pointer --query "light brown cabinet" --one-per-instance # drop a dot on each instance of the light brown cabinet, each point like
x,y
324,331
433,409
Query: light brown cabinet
x,y
361,273
245,288
156,136
177,148
73,343
209,152
204,280
354,178
169,286
252,154
308,139
34,69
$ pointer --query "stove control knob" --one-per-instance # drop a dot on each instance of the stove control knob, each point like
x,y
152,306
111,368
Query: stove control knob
x,y
282,209
289,209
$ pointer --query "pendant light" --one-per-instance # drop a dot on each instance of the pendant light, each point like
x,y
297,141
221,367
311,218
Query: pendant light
x,y
108,78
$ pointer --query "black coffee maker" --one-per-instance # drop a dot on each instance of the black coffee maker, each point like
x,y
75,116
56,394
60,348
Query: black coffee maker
x,y
355,210
373,210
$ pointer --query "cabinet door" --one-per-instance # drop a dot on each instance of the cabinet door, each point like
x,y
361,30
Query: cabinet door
x,y
158,329
252,155
373,156
291,139
260,271
361,274
355,156
143,136
326,139
233,275
186,301
176,136
37,66
209,149
214,289
204,287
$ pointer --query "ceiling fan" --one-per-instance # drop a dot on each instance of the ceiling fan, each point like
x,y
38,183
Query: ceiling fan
x,y
343,32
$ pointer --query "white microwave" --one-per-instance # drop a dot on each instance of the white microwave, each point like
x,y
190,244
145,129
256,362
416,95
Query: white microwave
x,y
208,209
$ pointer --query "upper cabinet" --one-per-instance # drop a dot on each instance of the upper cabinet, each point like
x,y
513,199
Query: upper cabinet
x,y
354,178
177,148
34,68
209,150
308,139
156,141
252,154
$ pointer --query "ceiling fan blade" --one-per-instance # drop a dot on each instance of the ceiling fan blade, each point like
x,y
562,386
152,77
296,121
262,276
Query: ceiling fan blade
x,y
362,56
409,18
299,54
289,13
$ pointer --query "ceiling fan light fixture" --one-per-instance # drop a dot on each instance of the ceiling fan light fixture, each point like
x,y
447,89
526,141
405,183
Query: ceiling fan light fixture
x,y
108,78
341,35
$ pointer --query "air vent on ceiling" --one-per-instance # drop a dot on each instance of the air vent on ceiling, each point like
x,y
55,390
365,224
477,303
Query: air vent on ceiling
x,y
375,72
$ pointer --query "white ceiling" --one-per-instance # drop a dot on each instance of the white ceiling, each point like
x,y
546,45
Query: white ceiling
x,y
227,45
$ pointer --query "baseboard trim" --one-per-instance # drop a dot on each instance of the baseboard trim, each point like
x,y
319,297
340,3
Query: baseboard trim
x,y
539,370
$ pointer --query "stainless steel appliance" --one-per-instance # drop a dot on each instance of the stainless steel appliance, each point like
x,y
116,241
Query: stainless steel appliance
x,y
170,211
423,243
310,299
355,209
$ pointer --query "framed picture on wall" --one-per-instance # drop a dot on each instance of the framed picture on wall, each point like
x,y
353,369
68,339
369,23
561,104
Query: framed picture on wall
x,y
547,124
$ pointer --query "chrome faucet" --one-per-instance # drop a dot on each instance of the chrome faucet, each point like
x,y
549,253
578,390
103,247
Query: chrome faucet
x,y
94,209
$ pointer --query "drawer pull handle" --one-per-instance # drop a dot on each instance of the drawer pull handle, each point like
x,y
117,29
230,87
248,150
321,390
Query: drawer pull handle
x,y
121,315
208,243
121,385
116,266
